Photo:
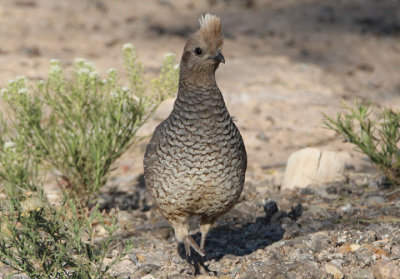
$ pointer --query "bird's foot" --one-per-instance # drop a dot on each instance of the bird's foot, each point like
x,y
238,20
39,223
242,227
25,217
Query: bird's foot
x,y
194,245
196,265
195,260
203,269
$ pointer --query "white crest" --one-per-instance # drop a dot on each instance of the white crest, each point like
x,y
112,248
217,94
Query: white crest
x,y
205,19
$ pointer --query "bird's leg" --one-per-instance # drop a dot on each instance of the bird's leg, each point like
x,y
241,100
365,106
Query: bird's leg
x,y
187,248
181,228
198,261
182,234
205,225
196,247
204,228
191,268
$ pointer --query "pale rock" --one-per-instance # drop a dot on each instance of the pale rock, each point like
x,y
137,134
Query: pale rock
x,y
334,270
339,263
354,247
362,274
386,270
314,166
125,219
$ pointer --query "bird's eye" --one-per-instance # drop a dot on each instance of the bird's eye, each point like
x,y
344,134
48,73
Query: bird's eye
x,y
198,51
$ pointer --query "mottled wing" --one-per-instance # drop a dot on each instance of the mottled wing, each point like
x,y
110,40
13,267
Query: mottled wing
x,y
151,157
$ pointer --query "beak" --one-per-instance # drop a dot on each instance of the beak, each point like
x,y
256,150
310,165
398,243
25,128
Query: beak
x,y
219,57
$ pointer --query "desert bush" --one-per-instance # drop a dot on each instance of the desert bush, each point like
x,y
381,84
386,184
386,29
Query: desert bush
x,y
78,124
82,124
375,134
47,242
41,240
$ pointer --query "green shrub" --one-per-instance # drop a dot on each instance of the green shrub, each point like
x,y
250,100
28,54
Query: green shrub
x,y
41,240
377,135
47,242
16,169
81,125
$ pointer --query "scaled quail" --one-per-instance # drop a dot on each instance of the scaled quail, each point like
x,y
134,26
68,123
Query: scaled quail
x,y
196,161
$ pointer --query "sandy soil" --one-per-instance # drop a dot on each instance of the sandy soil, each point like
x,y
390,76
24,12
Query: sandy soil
x,y
287,62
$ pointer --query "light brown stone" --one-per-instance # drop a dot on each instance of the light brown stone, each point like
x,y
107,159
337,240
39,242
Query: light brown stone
x,y
334,270
386,270
314,166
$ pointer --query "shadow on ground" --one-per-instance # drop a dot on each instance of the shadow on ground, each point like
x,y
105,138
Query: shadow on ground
x,y
244,239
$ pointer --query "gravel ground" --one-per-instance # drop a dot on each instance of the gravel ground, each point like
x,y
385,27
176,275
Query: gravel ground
x,y
339,230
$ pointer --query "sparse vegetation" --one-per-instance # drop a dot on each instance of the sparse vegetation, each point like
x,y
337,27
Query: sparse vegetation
x,y
40,239
377,134
82,125
78,126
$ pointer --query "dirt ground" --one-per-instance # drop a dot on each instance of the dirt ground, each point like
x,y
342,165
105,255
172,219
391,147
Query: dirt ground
x,y
287,63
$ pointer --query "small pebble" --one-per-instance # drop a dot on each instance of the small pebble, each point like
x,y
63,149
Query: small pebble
x,y
334,270
362,274
149,268
387,270
346,208
133,258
